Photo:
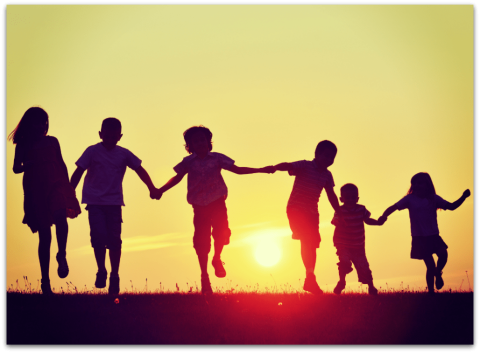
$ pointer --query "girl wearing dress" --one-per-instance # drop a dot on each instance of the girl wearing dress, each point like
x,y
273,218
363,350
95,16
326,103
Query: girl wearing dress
x,y
422,203
49,197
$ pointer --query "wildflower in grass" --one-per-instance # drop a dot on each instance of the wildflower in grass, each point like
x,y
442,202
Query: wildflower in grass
x,y
117,301
280,304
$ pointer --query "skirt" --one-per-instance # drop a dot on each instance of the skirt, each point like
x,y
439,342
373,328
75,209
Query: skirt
x,y
423,247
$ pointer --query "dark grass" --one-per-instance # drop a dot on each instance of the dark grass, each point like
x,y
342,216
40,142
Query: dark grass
x,y
241,318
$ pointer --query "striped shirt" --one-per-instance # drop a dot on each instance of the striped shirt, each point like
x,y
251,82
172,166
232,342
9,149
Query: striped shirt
x,y
308,185
351,234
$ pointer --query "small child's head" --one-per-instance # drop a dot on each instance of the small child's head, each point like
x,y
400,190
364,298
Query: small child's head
x,y
111,132
422,186
198,139
349,194
325,153
34,123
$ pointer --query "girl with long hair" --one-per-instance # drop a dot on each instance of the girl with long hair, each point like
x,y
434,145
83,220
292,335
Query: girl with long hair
x,y
49,197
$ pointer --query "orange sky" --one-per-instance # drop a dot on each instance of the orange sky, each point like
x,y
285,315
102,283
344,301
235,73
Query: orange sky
x,y
391,86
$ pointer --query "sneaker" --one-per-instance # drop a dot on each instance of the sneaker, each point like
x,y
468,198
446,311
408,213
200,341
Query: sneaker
x,y
206,286
101,281
339,287
372,290
114,287
219,269
439,280
62,266
311,285
46,290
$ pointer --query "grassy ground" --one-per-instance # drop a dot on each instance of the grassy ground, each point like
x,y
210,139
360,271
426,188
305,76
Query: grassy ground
x,y
241,318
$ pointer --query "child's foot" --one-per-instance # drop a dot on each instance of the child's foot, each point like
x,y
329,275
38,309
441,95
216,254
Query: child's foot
x,y
101,281
372,290
431,292
46,290
114,287
62,266
439,280
219,269
206,286
311,285
339,287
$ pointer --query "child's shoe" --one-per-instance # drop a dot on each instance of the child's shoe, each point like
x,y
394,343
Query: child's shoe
x,y
206,286
62,266
219,269
114,287
439,280
46,290
372,290
101,281
339,287
311,285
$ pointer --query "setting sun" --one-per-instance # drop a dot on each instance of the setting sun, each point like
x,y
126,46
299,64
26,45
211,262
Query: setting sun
x,y
267,253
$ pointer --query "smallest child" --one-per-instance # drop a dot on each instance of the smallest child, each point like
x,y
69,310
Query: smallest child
x,y
349,239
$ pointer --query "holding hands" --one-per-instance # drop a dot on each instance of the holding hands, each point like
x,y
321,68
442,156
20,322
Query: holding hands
x,y
269,169
382,220
155,194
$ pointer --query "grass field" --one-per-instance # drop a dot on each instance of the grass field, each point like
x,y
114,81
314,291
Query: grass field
x,y
288,317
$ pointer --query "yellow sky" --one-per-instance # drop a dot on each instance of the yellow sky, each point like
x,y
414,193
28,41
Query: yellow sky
x,y
391,86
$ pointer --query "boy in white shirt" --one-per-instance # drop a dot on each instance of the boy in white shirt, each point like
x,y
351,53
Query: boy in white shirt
x,y
106,164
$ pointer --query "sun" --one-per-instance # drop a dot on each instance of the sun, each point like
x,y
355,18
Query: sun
x,y
267,253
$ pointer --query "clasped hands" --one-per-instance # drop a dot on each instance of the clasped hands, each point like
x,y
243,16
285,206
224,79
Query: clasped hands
x,y
155,194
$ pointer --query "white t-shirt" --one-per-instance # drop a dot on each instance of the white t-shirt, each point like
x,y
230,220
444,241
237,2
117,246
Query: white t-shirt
x,y
205,182
105,172
423,213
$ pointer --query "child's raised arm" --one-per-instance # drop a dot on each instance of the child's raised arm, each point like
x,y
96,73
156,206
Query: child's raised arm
x,y
454,205
245,170
143,175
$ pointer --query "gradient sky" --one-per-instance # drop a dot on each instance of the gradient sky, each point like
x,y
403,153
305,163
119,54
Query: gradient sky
x,y
391,86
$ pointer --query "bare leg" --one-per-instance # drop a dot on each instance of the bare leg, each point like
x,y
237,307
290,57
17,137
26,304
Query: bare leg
x,y
442,260
431,271
218,250
61,229
100,257
309,257
203,261
115,256
45,239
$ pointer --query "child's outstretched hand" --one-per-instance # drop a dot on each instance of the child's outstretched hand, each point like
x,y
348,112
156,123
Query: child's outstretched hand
x,y
466,193
270,169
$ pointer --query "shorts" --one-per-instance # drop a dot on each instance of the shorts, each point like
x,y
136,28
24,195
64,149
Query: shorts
x,y
357,256
304,226
105,226
423,247
210,220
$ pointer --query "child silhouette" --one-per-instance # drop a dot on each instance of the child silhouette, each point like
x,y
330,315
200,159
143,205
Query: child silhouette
x,y
106,164
349,238
422,203
49,198
311,177
207,193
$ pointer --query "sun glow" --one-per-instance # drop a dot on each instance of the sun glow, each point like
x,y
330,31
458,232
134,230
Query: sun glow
x,y
267,253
